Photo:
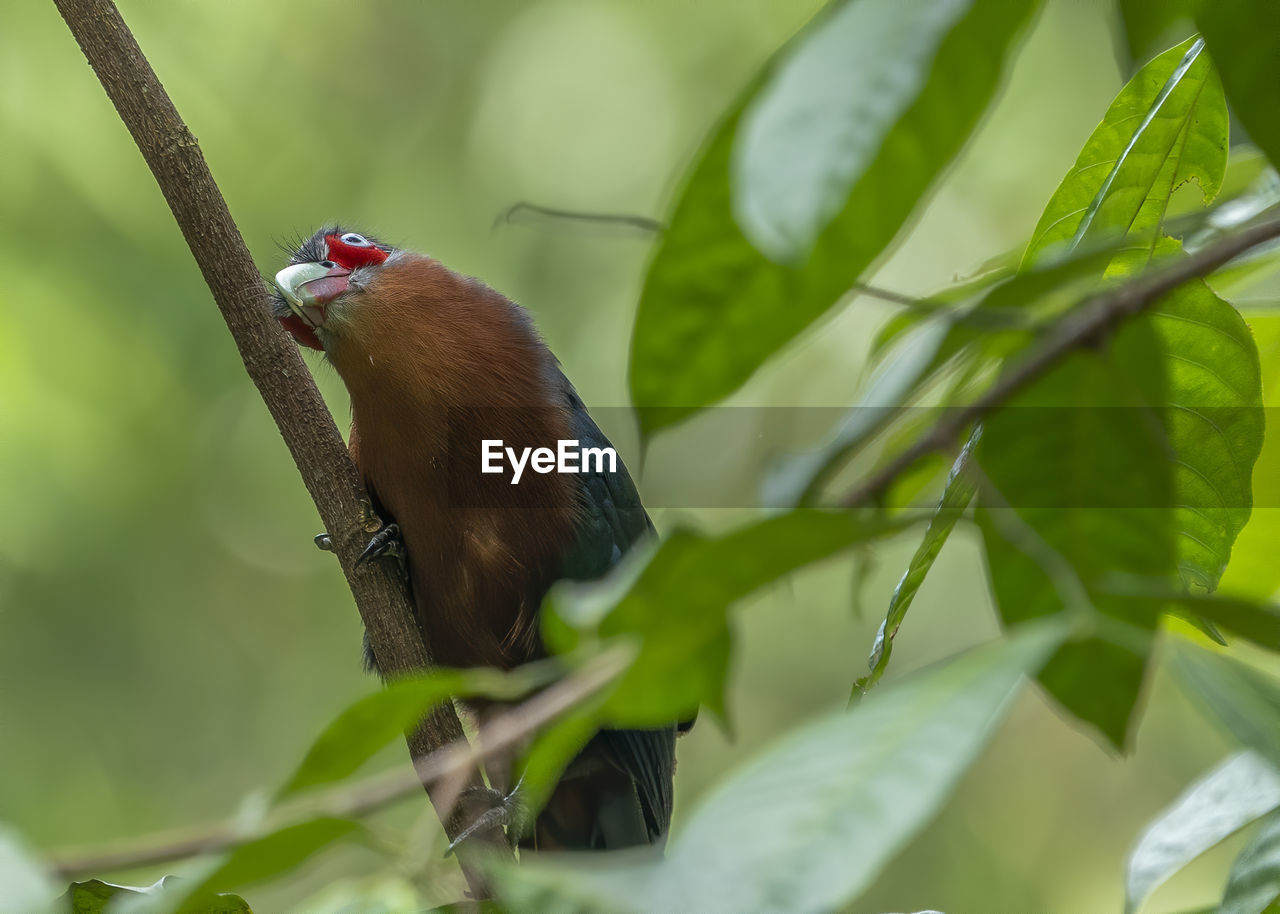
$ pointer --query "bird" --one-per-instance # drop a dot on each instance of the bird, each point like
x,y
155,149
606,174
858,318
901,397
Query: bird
x,y
437,363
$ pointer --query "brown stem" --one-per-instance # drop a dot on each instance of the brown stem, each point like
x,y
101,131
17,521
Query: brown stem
x,y
1078,328
269,355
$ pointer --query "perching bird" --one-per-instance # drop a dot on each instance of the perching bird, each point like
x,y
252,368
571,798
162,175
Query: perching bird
x,y
436,363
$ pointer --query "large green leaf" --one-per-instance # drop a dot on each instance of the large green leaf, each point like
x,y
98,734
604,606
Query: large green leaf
x,y
1254,881
1094,485
819,121
1242,37
1160,488
808,825
1214,422
1231,796
713,307
1167,126
672,605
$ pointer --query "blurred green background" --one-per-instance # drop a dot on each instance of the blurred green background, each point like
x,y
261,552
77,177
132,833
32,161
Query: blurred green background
x,y
170,640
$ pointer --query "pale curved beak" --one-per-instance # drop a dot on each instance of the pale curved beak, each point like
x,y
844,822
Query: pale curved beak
x,y
308,287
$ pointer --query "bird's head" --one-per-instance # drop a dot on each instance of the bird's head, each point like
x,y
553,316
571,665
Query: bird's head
x,y
326,272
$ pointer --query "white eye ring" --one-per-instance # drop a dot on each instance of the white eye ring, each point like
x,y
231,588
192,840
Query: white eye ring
x,y
356,241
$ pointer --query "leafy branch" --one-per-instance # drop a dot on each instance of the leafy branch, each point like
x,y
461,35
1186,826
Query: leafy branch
x,y
270,357
1086,325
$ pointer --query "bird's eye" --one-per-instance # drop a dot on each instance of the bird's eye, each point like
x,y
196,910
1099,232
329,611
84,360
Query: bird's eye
x,y
357,241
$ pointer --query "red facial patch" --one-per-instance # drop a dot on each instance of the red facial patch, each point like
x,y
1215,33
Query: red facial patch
x,y
298,328
353,256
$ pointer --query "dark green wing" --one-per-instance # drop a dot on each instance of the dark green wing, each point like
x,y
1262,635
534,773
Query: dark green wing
x,y
622,780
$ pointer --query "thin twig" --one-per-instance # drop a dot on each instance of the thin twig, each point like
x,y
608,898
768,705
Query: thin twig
x,y
643,224
361,798
270,357
1080,327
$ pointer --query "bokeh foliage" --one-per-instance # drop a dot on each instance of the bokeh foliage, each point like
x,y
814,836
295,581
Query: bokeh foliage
x,y
172,644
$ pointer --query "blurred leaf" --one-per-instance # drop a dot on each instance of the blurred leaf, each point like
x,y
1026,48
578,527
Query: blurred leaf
x,y
820,120
1238,698
1242,38
25,886
1254,881
1259,623
1147,22
955,498
381,893
554,747
1219,804
675,608
810,823
795,480
713,308
263,858
370,723
1168,122
96,896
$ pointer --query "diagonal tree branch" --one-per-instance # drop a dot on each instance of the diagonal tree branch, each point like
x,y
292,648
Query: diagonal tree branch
x,y
270,357
1080,327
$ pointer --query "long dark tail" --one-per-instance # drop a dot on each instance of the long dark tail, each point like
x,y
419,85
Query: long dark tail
x,y
617,793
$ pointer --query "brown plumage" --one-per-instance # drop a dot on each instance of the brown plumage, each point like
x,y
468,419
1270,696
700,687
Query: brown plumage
x,y
442,363
435,364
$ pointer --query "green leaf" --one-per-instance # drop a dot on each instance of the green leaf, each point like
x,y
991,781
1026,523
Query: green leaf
x,y
1239,791
1254,881
263,858
1242,38
1168,125
672,604
955,499
810,823
1240,699
1161,488
1214,425
819,121
370,723
1104,508
713,307
553,748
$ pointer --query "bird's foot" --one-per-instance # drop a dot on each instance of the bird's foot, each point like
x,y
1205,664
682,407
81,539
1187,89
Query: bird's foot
x,y
506,811
386,542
